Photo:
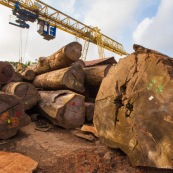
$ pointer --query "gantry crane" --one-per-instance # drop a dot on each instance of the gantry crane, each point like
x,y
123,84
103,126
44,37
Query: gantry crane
x,y
49,19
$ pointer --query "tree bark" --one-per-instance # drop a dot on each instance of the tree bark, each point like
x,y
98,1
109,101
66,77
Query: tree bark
x,y
28,75
60,59
89,111
133,109
71,78
63,108
26,92
94,75
6,72
12,115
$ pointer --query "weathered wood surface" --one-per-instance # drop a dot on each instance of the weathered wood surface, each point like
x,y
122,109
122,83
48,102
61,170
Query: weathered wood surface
x,y
6,72
60,59
63,108
89,111
94,75
17,77
67,78
16,163
26,92
12,115
28,74
134,108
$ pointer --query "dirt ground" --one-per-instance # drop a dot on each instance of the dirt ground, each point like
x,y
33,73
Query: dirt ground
x,y
59,151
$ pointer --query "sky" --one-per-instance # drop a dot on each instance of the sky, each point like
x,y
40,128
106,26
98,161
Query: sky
x,y
144,22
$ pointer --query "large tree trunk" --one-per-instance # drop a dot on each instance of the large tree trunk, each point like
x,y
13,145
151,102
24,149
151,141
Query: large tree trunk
x,y
26,92
60,59
63,108
12,115
94,75
28,75
134,108
6,72
71,78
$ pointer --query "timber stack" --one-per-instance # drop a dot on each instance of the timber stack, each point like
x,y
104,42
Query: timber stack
x,y
57,86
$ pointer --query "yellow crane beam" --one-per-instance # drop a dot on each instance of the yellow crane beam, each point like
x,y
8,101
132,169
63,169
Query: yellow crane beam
x,y
68,24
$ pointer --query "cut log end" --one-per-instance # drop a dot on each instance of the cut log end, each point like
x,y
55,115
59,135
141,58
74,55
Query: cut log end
x,y
6,72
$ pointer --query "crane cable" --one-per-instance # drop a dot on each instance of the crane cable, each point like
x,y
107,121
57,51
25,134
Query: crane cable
x,y
22,54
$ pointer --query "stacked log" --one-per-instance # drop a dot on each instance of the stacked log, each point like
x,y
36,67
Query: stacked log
x,y
60,59
12,115
6,72
63,108
133,108
89,111
28,75
66,78
26,92
17,77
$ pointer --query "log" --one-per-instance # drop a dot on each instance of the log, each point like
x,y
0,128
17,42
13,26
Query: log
x,y
133,108
94,75
6,72
60,59
26,92
89,111
28,74
15,162
63,108
17,77
66,78
12,115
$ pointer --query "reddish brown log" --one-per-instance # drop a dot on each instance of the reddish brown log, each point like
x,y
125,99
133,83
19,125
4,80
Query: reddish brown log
x,y
94,75
17,77
60,59
26,92
12,115
6,72
63,108
28,74
89,111
71,78
134,108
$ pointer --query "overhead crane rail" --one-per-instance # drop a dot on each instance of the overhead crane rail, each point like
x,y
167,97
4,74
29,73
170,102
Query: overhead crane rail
x,y
50,18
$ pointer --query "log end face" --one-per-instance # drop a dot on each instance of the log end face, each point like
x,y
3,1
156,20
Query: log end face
x,y
6,72
73,51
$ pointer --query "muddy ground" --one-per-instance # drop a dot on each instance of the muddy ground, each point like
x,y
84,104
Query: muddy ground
x,y
59,151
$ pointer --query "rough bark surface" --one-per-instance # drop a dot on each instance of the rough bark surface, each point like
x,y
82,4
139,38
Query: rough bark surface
x,y
66,78
60,59
6,72
12,115
16,163
63,108
26,92
134,108
94,75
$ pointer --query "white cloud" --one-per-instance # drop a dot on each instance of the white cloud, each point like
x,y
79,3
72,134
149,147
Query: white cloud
x,y
157,32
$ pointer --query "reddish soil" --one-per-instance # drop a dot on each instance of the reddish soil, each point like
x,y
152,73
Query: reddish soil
x,y
59,151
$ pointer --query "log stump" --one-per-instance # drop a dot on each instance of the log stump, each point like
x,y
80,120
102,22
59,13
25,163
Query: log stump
x,y
26,92
134,108
63,108
12,115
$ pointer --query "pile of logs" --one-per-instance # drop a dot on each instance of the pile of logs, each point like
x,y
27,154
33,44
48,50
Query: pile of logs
x,y
62,86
